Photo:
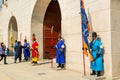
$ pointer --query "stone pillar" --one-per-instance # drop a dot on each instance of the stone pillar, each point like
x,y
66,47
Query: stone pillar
x,y
115,37
37,22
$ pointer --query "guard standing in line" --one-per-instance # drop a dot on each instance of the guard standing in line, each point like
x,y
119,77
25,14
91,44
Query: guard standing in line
x,y
16,43
60,53
96,49
26,50
34,48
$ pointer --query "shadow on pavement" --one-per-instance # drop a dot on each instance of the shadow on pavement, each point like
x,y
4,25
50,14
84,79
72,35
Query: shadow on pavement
x,y
41,63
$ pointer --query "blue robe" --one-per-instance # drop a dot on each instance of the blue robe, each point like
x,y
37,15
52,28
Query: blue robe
x,y
7,52
60,53
15,49
96,48
26,50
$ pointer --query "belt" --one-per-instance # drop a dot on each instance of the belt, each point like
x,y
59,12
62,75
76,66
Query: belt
x,y
95,50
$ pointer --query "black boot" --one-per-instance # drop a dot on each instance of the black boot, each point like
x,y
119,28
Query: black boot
x,y
62,66
15,61
93,73
5,63
35,62
59,65
98,73
5,60
32,62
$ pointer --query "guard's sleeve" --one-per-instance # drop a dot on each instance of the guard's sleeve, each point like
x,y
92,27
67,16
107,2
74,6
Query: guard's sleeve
x,y
63,46
56,46
90,45
100,47
36,47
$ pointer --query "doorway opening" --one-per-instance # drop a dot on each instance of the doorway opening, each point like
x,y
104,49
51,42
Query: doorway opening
x,y
12,33
51,29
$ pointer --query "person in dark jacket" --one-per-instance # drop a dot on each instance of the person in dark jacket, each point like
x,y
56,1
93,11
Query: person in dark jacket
x,y
18,50
2,52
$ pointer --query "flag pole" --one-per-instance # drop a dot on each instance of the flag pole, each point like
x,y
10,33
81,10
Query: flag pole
x,y
85,34
84,66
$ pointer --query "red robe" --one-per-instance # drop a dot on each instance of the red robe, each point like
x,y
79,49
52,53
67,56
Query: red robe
x,y
35,49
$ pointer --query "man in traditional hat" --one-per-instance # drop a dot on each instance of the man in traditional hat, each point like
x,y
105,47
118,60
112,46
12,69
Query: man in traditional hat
x,y
60,52
96,49
26,50
35,52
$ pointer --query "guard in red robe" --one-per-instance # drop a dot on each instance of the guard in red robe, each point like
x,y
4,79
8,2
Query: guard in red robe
x,y
35,52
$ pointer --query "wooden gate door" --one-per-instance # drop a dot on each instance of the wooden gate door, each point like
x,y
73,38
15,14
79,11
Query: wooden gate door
x,y
52,29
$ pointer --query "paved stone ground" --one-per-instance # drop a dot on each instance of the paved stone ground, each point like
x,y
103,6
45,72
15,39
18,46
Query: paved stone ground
x,y
42,71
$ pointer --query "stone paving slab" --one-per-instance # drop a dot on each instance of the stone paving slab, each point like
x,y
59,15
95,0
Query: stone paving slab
x,y
42,71
88,77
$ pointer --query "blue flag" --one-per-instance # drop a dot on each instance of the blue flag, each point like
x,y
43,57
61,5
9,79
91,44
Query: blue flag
x,y
85,29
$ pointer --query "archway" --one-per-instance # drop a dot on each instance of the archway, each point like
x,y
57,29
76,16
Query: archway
x,y
39,20
12,33
52,28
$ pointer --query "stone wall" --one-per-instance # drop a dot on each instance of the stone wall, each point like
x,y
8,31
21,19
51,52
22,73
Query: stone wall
x,y
29,15
22,11
115,36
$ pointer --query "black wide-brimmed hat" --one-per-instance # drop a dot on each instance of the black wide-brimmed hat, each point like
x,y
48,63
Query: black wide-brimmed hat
x,y
94,34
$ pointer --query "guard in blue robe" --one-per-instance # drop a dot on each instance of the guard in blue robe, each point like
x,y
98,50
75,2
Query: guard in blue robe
x,y
60,53
26,50
16,43
96,51
7,51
